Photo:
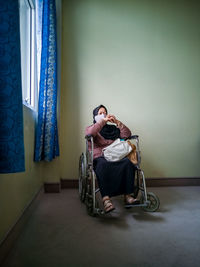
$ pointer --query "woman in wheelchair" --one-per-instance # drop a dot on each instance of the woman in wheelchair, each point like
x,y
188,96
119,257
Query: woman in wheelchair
x,y
114,178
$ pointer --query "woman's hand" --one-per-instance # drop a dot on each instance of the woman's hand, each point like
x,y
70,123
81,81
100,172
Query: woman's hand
x,y
107,118
111,118
114,120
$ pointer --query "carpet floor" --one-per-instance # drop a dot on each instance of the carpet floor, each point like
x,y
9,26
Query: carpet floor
x,y
60,233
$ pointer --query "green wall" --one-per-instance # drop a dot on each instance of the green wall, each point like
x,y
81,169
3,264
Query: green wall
x,y
142,60
17,190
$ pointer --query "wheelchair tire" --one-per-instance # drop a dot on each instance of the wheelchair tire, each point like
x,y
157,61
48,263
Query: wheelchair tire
x,y
137,183
82,177
89,206
154,202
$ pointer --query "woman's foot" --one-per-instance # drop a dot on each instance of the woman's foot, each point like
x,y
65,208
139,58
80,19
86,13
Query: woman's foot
x,y
129,200
108,206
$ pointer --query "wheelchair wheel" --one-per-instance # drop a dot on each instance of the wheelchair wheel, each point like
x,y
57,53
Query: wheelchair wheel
x,y
154,202
137,183
89,206
82,177
89,201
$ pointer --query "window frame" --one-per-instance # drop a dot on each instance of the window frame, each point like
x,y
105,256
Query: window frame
x,y
29,84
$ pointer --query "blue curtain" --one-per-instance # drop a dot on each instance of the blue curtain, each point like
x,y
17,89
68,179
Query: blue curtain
x,y
46,144
11,113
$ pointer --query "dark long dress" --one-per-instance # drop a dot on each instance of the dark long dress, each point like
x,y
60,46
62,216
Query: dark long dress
x,y
114,178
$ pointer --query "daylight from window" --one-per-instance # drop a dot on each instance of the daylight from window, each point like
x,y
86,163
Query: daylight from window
x,y
27,40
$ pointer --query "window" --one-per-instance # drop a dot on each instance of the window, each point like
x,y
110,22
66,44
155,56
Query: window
x,y
28,52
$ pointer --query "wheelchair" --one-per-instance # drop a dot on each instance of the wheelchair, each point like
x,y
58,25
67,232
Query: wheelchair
x,y
88,188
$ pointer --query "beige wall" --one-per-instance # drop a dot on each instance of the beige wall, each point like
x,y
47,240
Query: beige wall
x,y
17,190
142,60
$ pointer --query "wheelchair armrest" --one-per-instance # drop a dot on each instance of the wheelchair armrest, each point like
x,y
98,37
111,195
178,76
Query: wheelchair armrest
x,y
89,137
133,137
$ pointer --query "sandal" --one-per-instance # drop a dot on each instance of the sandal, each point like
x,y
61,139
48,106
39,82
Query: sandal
x,y
129,200
108,206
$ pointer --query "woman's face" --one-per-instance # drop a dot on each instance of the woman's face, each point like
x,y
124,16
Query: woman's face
x,y
102,111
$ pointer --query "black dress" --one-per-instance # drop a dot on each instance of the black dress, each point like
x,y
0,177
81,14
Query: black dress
x,y
114,178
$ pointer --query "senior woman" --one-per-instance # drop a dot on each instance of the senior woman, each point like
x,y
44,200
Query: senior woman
x,y
114,178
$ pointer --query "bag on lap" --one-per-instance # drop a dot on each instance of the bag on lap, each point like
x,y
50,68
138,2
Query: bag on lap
x,y
117,150
132,156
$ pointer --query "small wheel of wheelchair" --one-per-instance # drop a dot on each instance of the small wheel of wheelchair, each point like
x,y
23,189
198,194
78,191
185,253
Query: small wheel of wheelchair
x,y
154,202
82,177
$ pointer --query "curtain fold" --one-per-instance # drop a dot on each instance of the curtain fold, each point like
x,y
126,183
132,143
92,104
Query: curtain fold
x,y
46,142
11,109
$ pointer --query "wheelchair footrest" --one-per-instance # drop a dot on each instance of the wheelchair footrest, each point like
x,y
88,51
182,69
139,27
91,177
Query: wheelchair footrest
x,y
128,206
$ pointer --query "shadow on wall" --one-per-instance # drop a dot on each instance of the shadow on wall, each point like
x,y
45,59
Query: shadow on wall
x,y
152,169
70,96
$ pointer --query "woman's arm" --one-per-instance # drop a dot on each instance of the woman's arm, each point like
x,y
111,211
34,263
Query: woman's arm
x,y
95,128
124,130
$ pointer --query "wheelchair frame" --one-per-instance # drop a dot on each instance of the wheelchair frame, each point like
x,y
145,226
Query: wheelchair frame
x,y
87,182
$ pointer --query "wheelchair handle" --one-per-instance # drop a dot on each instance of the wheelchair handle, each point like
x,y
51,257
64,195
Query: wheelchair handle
x,y
88,137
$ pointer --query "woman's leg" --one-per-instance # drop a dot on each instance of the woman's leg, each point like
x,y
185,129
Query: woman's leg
x,y
115,178
102,174
129,183
108,206
101,169
129,177
128,199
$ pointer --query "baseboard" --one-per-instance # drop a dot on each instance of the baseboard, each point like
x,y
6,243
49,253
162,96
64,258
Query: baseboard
x,y
14,232
52,187
150,182
186,181
68,183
